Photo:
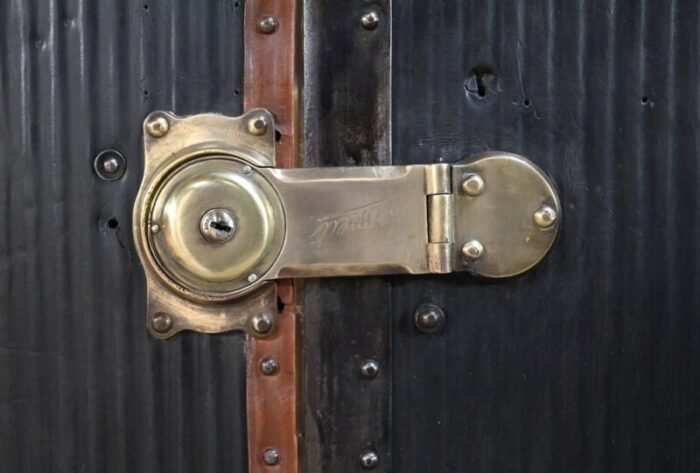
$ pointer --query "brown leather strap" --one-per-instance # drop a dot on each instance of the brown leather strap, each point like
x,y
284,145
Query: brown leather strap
x,y
269,82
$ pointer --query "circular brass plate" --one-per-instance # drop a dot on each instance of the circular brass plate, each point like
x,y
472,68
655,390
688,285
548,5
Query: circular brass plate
x,y
219,269
502,217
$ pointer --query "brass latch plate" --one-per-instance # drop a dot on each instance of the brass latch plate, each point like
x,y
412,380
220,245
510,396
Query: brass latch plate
x,y
215,221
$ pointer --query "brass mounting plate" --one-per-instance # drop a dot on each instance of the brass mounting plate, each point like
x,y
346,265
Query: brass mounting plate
x,y
495,215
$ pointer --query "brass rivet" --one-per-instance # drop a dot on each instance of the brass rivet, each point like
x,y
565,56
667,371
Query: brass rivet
x,y
271,456
161,322
157,126
262,323
473,185
545,216
370,20
257,125
267,24
155,228
472,250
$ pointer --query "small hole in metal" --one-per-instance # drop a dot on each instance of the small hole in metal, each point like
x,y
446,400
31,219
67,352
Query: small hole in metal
x,y
112,223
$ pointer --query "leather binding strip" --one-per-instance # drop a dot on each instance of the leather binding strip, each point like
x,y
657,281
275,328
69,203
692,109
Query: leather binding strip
x,y
270,82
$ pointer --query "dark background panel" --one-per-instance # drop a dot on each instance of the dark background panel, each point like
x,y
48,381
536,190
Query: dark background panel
x,y
347,113
589,362
82,385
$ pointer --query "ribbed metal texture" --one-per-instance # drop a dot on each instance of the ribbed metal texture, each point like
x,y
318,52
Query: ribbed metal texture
x,y
82,386
590,362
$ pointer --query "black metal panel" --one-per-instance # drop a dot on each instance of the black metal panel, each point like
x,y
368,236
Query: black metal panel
x,y
347,110
590,361
82,386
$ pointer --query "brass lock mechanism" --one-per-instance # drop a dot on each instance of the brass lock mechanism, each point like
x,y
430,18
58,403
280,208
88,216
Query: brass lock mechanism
x,y
215,222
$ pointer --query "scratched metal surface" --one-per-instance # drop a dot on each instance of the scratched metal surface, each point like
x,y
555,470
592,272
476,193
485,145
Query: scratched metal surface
x,y
82,386
590,362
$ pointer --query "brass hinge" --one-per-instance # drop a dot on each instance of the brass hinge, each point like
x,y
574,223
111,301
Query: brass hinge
x,y
215,221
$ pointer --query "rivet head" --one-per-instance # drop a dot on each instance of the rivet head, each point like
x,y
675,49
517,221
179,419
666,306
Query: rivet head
x,y
257,125
472,250
161,322
262,323
155,228
370,369
369,459
370,20
545,216
429,318
268,366
110,165
473,185
271,456
157,126
217,226
252,277
267,24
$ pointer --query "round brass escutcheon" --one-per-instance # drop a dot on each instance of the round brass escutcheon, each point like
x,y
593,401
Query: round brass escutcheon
x,y
220,221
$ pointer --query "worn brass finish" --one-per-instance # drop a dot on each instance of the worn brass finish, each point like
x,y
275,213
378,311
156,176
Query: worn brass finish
x,y
500,218
193,260
495,216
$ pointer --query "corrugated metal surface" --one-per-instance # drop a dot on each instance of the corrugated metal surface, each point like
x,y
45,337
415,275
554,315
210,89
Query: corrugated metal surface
x,y
591,361
82,386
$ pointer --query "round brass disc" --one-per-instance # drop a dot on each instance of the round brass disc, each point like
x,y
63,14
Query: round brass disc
x,y
511,223
182,250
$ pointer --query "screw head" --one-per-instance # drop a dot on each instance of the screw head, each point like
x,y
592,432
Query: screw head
x,y
370,20
545,216
269,366
369,459
110,165
157,125
161,322
472,250
267,24
429,318
262,324
252,277
257,125
473,185
217,226
271,456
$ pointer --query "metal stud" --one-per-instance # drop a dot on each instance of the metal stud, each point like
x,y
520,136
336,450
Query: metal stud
x,y
268,366
472,250
157,125
109,165
369,459
545,216
429,318
257,125
271,456
155,228
473,185
252,277
370,20
262,323
267,24
161,322
370,369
